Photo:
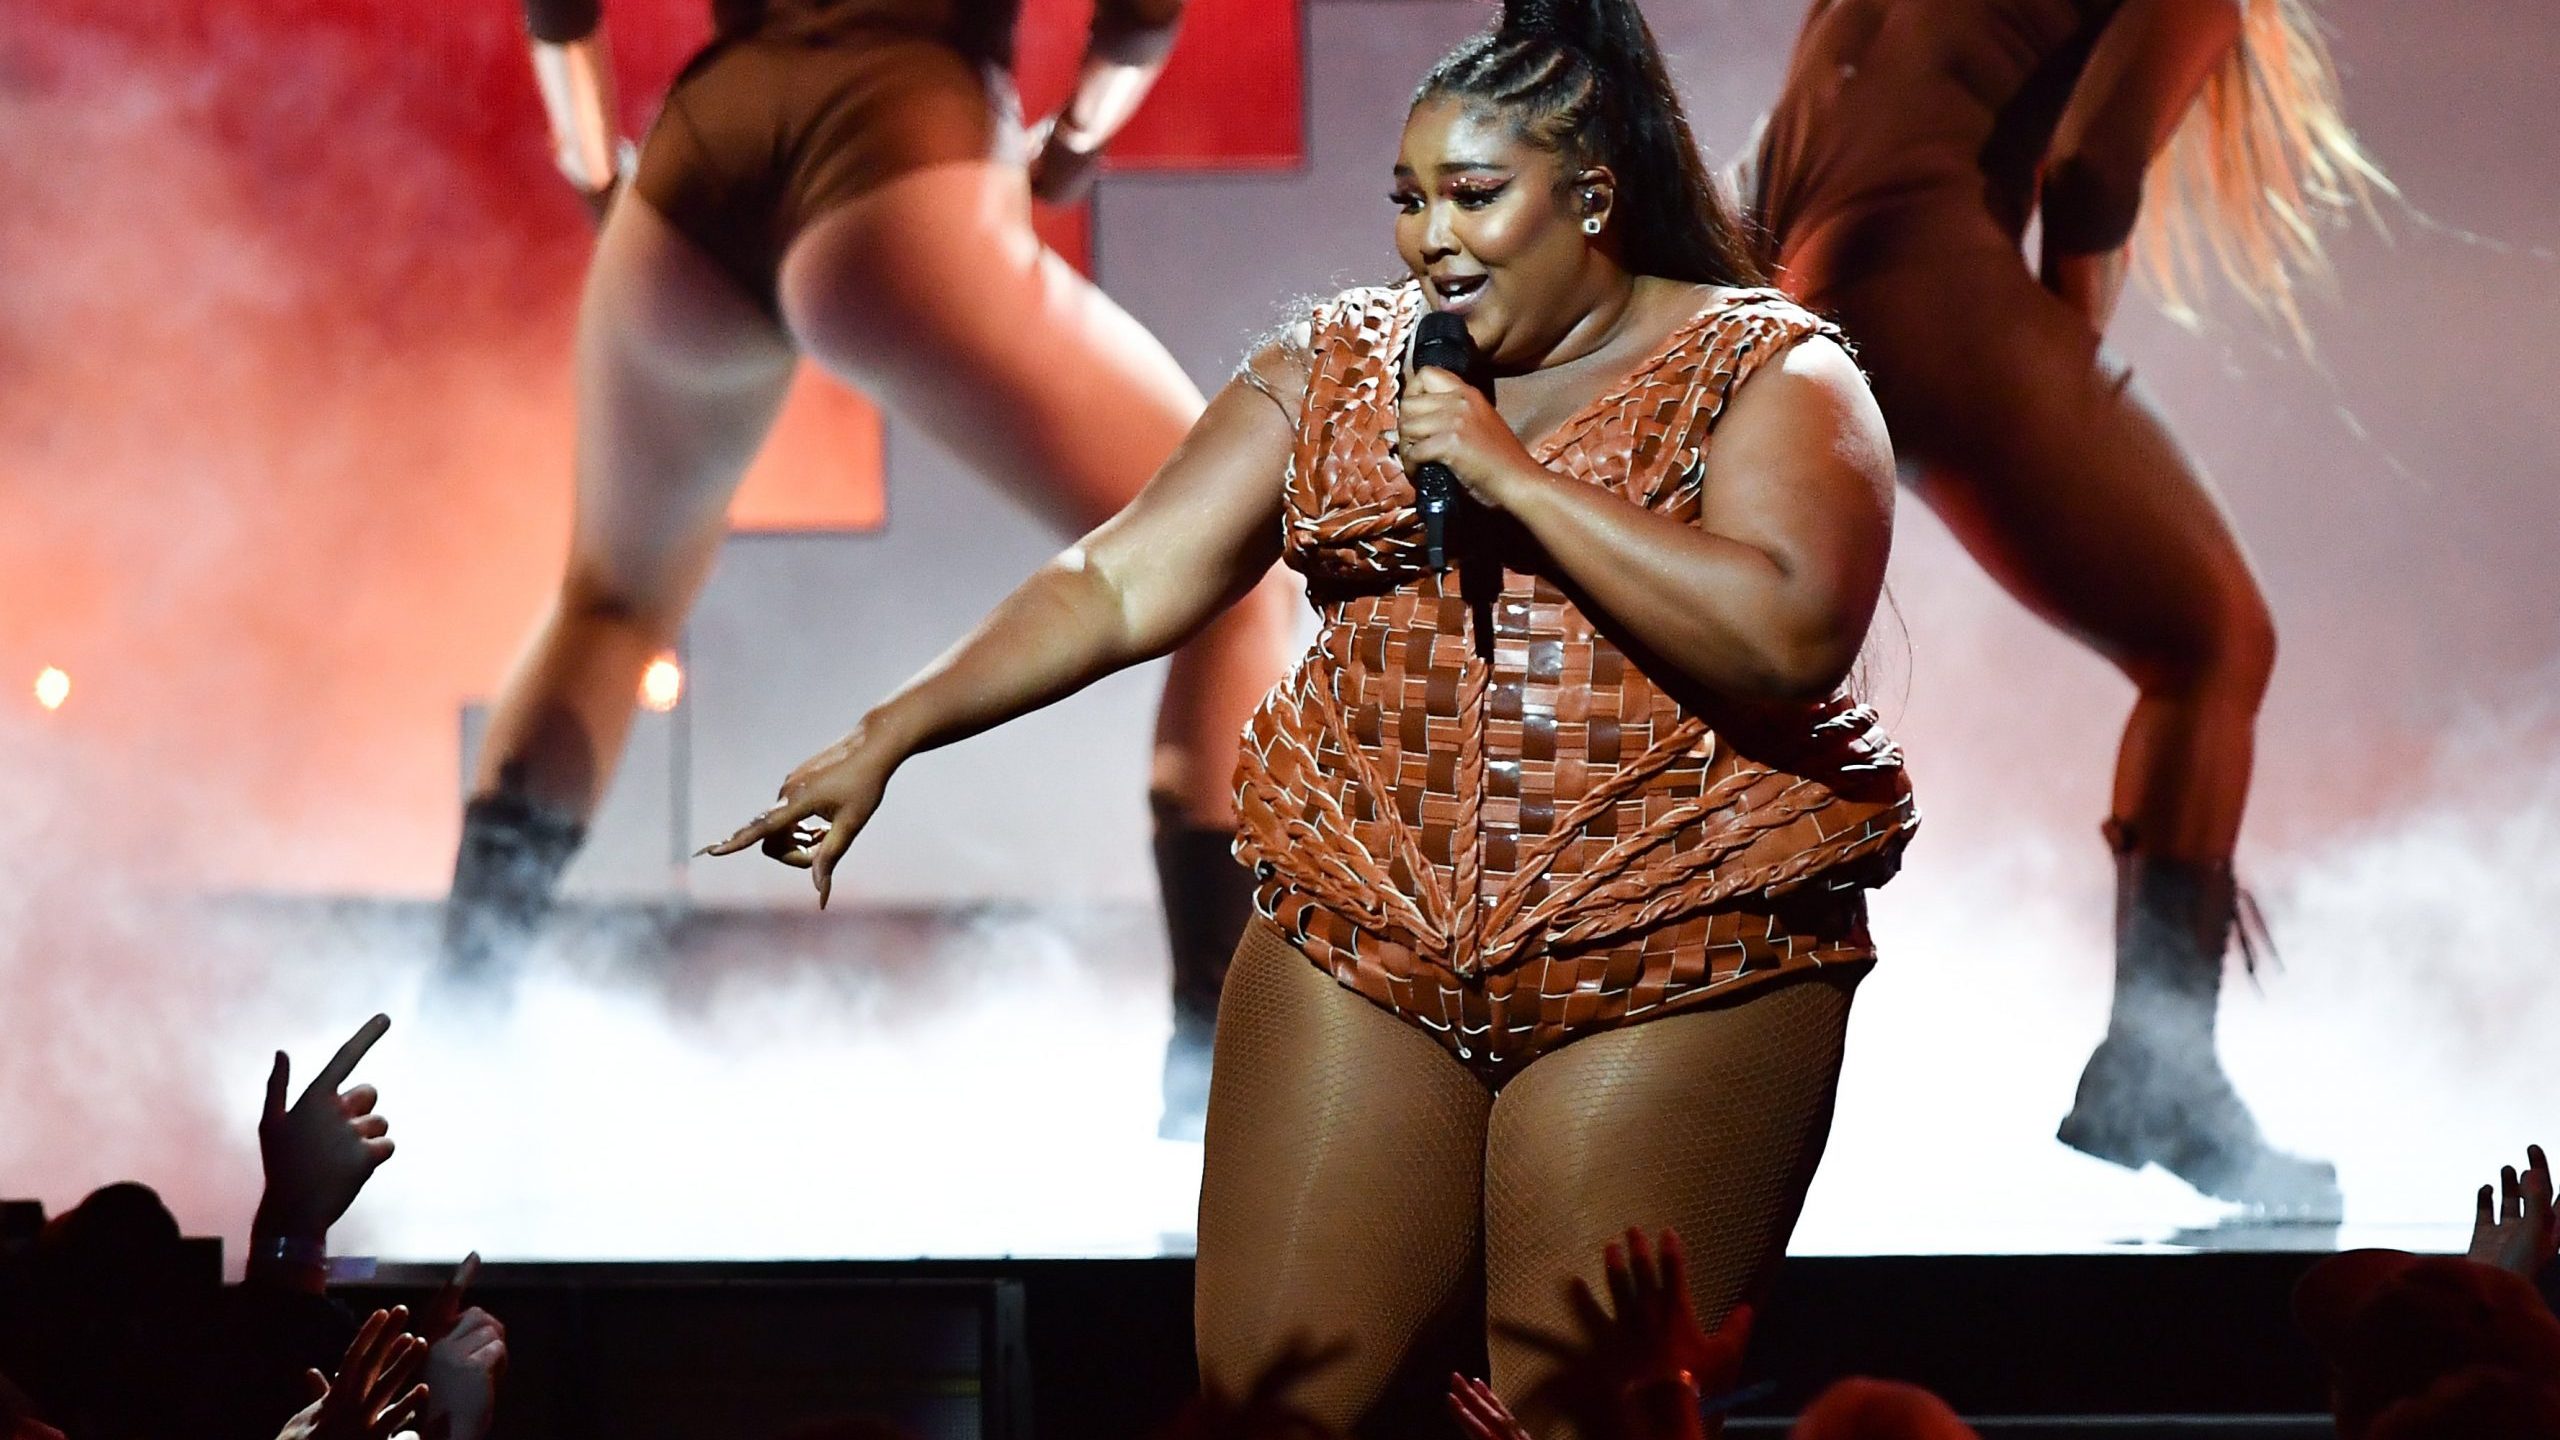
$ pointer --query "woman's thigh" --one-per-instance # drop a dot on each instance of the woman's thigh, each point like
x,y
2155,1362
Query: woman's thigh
x,y
1340,1197
679,377
931,292
1709,1122
2054,469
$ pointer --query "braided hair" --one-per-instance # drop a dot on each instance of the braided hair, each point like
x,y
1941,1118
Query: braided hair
x,y
1584,80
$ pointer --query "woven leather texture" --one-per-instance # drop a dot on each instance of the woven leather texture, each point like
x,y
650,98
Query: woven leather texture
x,y
1473,808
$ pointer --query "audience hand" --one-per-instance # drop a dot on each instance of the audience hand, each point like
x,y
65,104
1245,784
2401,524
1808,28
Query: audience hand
x,y
1660,1340
1267,1410
466,1357
1642,1363
2516,1229
372,1397
319,1153
1481,1413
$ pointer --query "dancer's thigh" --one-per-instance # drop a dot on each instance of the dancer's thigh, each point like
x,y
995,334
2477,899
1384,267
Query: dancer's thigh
x,y
1710,1122
2057,474
932,292
1340,1199
679,377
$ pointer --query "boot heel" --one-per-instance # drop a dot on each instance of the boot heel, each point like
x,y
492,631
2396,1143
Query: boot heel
x,y
2100,1141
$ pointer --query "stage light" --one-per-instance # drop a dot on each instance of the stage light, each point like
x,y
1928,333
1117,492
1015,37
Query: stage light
x,y
52,688
662,684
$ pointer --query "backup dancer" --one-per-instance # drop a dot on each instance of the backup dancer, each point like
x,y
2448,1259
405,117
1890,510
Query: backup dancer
x,y
845,180
1913,143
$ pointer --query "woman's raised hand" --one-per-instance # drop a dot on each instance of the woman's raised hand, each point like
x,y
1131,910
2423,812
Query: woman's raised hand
x,y
1481,1413
372,1397
1443,418
822,806
319,1151
1660,1338
1641,1364
2517,1228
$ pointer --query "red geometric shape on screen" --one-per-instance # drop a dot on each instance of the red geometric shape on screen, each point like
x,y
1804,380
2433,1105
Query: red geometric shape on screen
x,y
1231,98
820,468
1067,230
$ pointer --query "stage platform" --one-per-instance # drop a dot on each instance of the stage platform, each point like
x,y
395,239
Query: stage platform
x,y
892,1081
756,1087
2193,1346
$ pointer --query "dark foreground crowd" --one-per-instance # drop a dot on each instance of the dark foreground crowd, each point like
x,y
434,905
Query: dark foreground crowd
x,y
110,1329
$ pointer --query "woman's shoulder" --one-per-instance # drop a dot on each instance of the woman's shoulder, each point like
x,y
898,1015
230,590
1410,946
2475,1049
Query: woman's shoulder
x,y
1362,316
1363,305
1717,306
1730,331
1283,362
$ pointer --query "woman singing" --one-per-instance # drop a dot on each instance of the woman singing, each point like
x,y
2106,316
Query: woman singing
x,y
844,179
1912,144
1561,854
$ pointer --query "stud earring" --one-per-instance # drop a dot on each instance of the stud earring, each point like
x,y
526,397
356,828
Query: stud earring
x,y
1591,226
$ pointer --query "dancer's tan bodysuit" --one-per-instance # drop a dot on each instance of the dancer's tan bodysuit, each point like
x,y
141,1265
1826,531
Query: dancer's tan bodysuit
x,y
800,105
1894,181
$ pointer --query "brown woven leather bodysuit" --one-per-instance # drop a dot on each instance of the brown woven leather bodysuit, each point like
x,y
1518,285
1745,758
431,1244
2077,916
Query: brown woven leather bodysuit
x,y
1911,133
1515,844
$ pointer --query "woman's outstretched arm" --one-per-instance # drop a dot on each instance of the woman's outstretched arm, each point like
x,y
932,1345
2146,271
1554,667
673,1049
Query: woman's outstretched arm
x,y
1202,533
1767,595
2153,58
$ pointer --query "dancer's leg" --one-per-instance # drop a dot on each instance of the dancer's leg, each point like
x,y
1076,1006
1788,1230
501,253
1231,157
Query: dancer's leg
x,y
932,292
1340,1199
2070,491
1711,1122
679,376
2065,484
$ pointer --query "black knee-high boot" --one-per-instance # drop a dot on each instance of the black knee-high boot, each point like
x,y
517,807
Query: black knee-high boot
x,y
2155,1091
1208,898
504,873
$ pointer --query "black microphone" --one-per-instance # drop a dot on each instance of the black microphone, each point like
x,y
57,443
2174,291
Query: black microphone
x,y
1441,344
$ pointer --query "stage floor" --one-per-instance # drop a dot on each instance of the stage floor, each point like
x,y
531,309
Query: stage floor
x,y
686,1085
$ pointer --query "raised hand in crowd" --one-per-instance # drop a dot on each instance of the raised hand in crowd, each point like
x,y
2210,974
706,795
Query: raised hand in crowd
x,y
1267,1407
373,1396
318,1154
1480,1413
1643,1365
2516,1229
466,1357
1660,1342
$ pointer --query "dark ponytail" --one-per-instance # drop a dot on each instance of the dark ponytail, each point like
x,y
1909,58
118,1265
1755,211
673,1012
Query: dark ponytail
x,y
1585,80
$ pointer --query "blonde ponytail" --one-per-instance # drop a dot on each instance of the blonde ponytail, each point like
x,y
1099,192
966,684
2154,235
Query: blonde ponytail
x,y
2260,167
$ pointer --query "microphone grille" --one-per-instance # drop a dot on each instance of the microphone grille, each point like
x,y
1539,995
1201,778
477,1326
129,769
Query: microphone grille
x,y
1442,343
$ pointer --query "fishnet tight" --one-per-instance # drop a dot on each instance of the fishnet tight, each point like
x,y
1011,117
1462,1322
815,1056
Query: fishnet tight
x,y
1364,1184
